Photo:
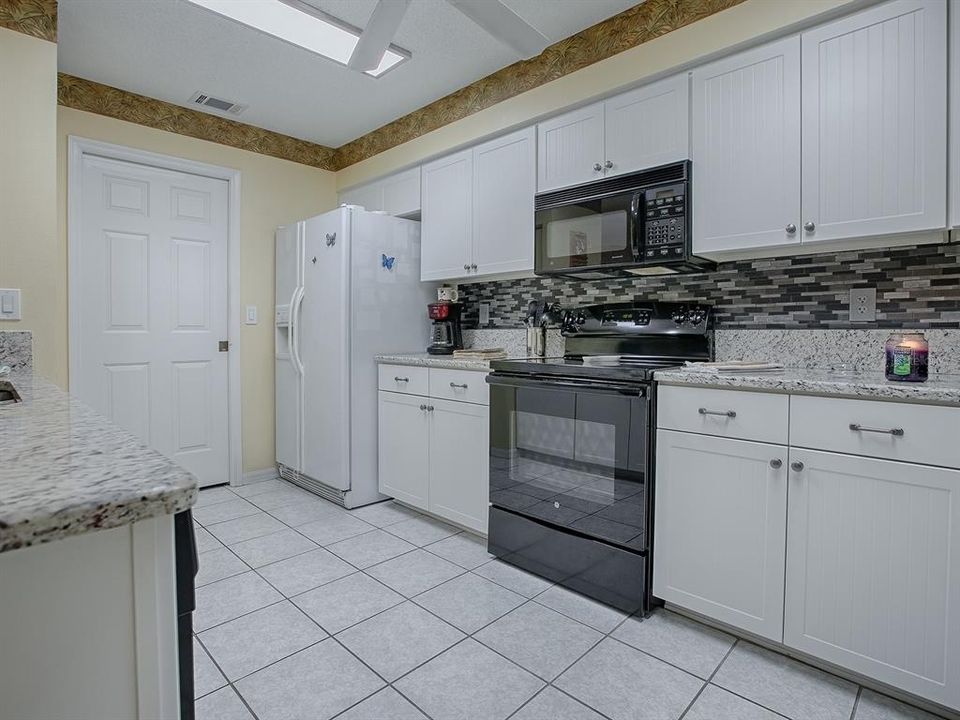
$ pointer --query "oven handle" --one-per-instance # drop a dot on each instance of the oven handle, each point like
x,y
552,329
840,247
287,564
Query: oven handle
x,y
589,387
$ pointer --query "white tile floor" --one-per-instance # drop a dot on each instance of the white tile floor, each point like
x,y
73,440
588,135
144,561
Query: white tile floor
x,y
306,611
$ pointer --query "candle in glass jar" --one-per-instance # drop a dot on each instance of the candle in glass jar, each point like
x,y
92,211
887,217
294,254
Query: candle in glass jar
x,y
907,357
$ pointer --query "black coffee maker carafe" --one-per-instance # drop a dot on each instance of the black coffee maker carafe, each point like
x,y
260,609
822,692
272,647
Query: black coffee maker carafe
x,y
446,334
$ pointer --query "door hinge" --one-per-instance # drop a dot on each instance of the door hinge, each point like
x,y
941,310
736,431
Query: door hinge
x,y
224,345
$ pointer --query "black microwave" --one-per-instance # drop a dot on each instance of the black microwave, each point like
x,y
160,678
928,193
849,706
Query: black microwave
x,y
630,224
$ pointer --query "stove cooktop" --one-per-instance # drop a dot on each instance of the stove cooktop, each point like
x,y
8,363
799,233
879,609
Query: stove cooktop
x,y
628,368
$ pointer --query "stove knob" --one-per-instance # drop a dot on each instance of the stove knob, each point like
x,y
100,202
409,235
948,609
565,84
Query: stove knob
x,y
581,318
680,316
697,316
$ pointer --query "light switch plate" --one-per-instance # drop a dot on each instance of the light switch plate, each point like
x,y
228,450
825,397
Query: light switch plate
x,y
10,304
863,304
251,315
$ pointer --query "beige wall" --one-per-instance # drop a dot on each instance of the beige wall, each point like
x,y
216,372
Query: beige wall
x,y
739,25
31,256
272,192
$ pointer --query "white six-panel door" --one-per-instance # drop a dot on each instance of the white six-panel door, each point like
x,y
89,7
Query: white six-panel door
x,y
875,122
746,149
151,269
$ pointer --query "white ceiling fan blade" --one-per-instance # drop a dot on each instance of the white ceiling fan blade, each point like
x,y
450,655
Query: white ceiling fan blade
x,y
378,35
505,25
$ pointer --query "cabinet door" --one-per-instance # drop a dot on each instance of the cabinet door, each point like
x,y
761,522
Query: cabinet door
x,y
721,508
873,570
504,185
369,197
746,150
570,148
647,126
403,454
401,193
874,122
954,119
447,225
459,462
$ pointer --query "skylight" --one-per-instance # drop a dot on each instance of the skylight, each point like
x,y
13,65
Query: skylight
x,y
300,25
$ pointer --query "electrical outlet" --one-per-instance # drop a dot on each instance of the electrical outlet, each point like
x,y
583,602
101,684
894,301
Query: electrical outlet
x,y
484,314
863,304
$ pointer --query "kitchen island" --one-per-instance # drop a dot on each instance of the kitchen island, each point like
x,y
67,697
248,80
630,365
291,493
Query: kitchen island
x,y
88,611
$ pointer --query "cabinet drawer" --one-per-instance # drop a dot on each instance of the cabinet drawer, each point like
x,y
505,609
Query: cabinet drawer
x,y
893,431
404,378
726,413
465,385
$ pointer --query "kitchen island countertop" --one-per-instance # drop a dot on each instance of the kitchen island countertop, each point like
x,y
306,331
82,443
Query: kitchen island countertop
x,y
435,361
938,389
66,470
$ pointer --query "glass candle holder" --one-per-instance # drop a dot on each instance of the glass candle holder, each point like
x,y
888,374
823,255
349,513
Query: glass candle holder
x,y
907,356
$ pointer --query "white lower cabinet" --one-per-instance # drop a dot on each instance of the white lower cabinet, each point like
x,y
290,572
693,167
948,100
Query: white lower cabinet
x,y
459,460
403,456
873,578
721,508
434,452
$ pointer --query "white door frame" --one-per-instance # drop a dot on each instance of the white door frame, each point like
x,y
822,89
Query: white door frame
x,y
78,147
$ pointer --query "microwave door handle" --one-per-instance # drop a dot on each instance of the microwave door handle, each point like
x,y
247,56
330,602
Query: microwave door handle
x,y
636,213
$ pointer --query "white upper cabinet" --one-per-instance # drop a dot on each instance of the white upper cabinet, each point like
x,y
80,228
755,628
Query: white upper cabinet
x,y
954,134
639,129
397,194
647,126
478,210
447,224
746,149
874,122
570,148
504,185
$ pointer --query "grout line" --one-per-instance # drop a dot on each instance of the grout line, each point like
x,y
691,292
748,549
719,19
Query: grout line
x,y
856,702
707,681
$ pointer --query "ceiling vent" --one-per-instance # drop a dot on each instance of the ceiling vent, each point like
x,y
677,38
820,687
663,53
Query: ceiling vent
x,y
209,101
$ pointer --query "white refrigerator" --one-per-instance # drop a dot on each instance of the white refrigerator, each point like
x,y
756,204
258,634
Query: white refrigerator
x,y
348,287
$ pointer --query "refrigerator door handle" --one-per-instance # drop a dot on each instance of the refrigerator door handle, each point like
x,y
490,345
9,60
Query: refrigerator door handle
x,y
295,329
293,298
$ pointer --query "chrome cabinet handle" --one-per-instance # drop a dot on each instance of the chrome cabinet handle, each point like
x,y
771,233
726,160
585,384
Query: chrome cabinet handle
x,y
400,379
776,463
725,413
791,229
597,167
796,466
809,226
458,385
429,408
466,266
856,427
608,164
423,407
473,266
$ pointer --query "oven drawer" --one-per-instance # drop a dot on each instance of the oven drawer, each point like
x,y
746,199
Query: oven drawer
x,y
762,417
874,428
404,379
464,385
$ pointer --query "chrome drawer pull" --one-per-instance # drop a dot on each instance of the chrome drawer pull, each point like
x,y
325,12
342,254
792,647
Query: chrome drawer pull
x,y
456,385
400,379
725,413
856,427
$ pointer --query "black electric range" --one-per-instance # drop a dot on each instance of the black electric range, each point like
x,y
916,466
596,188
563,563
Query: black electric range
x,y
571,447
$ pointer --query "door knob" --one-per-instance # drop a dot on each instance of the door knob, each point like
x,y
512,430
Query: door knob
x,y
776,463
597,167
809,226
796,466
791,229
608,164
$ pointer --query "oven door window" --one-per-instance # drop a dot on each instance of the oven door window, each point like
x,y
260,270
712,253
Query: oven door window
x,y
571,458
591,233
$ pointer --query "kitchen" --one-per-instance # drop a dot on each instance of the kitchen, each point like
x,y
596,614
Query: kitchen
x,y
567,516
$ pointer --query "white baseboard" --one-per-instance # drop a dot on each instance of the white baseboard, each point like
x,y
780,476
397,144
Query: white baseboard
x,y
258,476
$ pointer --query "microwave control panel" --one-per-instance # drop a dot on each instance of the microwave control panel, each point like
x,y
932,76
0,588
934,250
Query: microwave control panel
x,y
665,227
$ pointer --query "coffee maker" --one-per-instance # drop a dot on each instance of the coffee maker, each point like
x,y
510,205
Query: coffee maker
x,y
446,334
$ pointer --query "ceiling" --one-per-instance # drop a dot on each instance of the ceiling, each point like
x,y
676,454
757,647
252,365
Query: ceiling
x,y
170,49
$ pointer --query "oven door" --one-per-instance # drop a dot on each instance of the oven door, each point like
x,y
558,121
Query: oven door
x,y
588,234
572,455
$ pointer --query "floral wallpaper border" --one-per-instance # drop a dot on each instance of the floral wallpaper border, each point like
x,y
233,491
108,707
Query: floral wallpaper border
x,y
30,17
80,94
632,27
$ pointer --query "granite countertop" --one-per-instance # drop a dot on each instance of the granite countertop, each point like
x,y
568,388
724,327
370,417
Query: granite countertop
x,y
66,470
434,361
939,389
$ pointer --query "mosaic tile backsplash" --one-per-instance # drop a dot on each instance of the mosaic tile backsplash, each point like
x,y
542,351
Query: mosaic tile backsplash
x,y
917,287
